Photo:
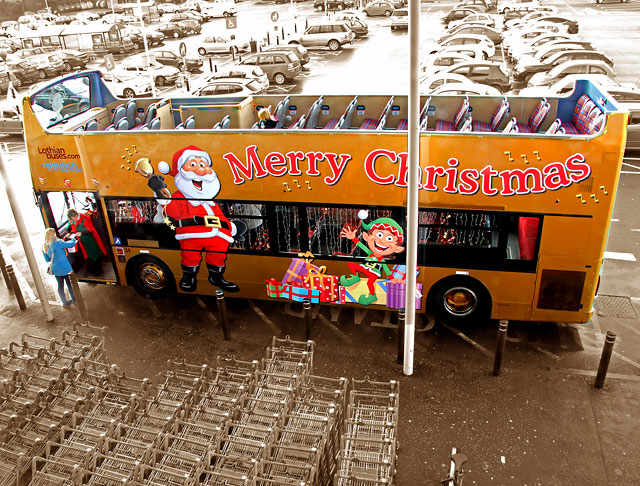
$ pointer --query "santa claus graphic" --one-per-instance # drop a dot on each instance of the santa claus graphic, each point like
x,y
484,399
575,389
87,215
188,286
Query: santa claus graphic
x,y
199,221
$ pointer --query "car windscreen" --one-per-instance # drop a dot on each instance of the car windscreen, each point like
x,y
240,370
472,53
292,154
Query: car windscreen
x,y
62,100
253,85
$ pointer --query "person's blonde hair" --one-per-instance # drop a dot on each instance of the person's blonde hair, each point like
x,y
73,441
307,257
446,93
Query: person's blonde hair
x,y
263,114
49,237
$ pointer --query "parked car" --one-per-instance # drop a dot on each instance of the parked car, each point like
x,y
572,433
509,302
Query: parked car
x,y
434,81
326,34
239,71
480,5
485,72
192,26
359,27
6,77
468,88
439,61
530,45
72,59
553,47
464,40
379,8
231,86
494,35
400,19
522,72
173,29
48,65
162,75
457,14
135,34
475,19
221,45
169,58
527,18
521,6
164,8
218,8
477,52
128,85
278,65
571,67
64,20
8,44
321,5
572,26
73,97
119,19
566,85
24,71
300,51
10,118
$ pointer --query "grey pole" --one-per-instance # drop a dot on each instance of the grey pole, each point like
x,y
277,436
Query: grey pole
x,y
500,342
306,304
26,243
607,351
3,264
146,50
222,309
413,146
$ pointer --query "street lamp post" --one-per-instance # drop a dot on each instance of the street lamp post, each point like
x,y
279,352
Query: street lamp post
x,y
146,50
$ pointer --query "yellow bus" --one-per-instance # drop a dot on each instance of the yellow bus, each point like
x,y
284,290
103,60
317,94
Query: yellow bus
x,y
516,195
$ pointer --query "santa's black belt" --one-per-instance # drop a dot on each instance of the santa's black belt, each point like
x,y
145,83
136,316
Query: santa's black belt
x,y
208,221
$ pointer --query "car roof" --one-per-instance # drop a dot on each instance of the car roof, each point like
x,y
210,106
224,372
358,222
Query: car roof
x,y
561,67
467,86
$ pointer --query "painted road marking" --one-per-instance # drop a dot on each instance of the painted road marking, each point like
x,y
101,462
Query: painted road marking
x,y
466,338
157,313
207,312
631,165
619,376
334,328
612,255
275,329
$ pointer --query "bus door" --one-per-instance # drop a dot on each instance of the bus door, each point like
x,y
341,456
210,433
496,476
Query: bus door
x,y
91,259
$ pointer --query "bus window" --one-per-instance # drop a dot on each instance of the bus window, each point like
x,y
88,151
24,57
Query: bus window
x,y
288,227
256,239
140,222
62,100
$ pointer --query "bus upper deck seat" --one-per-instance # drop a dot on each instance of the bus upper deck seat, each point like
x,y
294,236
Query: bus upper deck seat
x,y
371,123
497,118
79,128
536,117
458,120
583,117
347,116
255,125
383,123
180,126
110,128
118,114
225,122
150,114
402,124
122,124
555,128
425,108
313,113
467,126
423,123
281,112
511,127
131,109
190,123
91,125
155,124
299,123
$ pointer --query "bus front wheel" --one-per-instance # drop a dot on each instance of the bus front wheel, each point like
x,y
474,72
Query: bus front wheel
x,y
150,277
460,301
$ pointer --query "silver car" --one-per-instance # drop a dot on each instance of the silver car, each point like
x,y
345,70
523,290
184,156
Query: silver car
x,y
328,34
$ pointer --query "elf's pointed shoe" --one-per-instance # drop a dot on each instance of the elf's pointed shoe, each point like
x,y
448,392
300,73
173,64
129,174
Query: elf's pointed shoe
x,y
348,281
216,277
189,280
366,299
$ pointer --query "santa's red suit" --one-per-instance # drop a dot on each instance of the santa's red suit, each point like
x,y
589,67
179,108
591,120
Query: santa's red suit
x,y
201,227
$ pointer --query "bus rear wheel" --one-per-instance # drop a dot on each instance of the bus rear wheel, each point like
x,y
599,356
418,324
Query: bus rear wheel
x,y
150,277
460,301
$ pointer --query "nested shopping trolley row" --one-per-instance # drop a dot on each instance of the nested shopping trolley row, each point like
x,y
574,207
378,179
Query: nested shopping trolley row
x,y
68,416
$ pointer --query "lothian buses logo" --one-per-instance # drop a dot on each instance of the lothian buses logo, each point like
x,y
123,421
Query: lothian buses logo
x,y
451,179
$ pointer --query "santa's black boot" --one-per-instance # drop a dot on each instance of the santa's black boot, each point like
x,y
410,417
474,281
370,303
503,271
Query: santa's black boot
x,y
216,277
189,282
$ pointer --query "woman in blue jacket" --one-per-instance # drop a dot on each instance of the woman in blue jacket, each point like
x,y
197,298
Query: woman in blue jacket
x,y
54,252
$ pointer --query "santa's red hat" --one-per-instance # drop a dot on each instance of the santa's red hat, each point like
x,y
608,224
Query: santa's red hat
x,y
180,157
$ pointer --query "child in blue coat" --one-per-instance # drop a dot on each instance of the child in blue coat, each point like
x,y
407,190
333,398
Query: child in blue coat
x,y
54,252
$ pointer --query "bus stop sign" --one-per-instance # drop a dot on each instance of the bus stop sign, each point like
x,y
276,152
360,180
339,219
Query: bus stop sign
x,y
108,60
183,49
232,22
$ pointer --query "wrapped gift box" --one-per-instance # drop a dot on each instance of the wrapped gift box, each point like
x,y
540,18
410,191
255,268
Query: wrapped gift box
x,y
277,290
298,294
297,270
396,295
326,284
400,272
353,292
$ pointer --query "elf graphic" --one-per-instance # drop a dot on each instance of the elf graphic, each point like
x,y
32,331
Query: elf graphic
x,y
199,221
383,237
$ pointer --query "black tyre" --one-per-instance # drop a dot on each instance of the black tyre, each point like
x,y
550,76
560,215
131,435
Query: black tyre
x,y
42,74
129,93
279,78
136,45
150,277
83,107
202,51
234,50
334,45
460,301
319,8
67,66
176,35
161,81
18,82
181,66
387,13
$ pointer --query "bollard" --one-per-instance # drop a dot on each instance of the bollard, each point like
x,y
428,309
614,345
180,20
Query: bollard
x,y
306,24
211,64
306,304
277,40
607,350
268,39
500,341
5,275
16,287
282,32
295,28
222,309
84,315
401,318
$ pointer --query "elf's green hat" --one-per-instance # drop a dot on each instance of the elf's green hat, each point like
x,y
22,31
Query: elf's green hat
x,y
386,224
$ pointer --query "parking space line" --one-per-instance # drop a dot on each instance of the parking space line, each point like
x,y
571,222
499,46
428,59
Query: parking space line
x,y
335,329
157,313
466,338
275,329
206,311
618,376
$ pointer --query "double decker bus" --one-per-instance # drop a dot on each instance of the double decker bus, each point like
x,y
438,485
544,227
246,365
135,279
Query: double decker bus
x,y
190,195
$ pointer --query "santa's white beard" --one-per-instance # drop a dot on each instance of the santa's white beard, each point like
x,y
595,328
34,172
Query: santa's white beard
x,y
197,187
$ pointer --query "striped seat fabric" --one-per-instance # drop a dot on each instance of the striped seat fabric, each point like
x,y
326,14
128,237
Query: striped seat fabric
x,y
496,119
447,126
536,117
369,124
583,119
555,128
402,125
331,124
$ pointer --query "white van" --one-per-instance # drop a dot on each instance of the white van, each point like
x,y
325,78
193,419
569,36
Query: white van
x,y
218,8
